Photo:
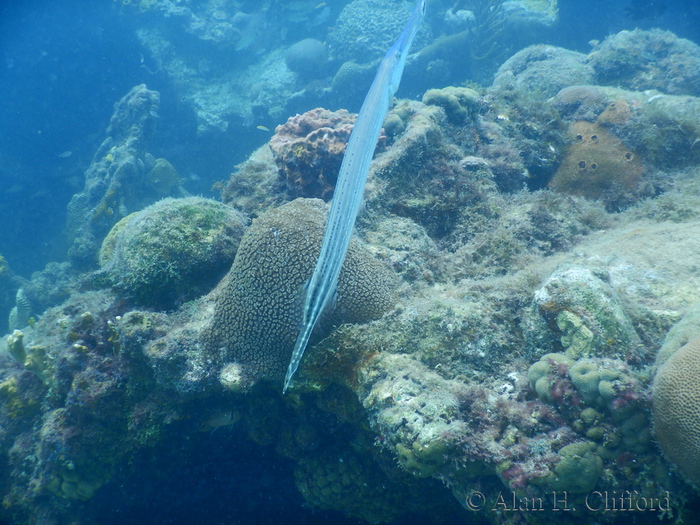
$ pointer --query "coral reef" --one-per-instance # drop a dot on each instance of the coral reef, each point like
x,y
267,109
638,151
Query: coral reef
x,y
491,336
172,251
67,440
244,331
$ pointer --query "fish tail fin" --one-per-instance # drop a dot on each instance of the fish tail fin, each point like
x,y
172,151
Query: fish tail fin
x,y
297,354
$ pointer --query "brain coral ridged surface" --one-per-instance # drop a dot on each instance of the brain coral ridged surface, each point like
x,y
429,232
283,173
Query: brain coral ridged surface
x,y
676,396
259,303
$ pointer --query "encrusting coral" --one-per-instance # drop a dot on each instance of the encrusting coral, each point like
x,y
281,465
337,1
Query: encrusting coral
x,y
309,148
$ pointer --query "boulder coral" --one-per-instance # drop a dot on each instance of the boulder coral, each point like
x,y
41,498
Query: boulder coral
x,y
460,103
367,28
676,401
307,57
172,251
598,165
541,71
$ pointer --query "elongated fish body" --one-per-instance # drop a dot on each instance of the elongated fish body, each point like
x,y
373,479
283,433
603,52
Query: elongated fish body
x,y
349,189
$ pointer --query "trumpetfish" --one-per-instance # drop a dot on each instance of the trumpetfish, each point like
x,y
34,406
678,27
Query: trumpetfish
x,y
320,289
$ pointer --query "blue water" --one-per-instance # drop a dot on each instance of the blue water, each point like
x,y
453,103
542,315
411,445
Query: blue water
x,y
63,65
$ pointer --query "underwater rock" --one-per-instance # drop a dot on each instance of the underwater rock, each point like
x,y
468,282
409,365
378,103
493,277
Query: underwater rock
x,y
415,409
653,59
666,130
676,398
81,410
172,251
440,189
256,185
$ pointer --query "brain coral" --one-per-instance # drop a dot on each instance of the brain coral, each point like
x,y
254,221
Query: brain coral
x,y
258,305
309,148
676,397
173,250
598,165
